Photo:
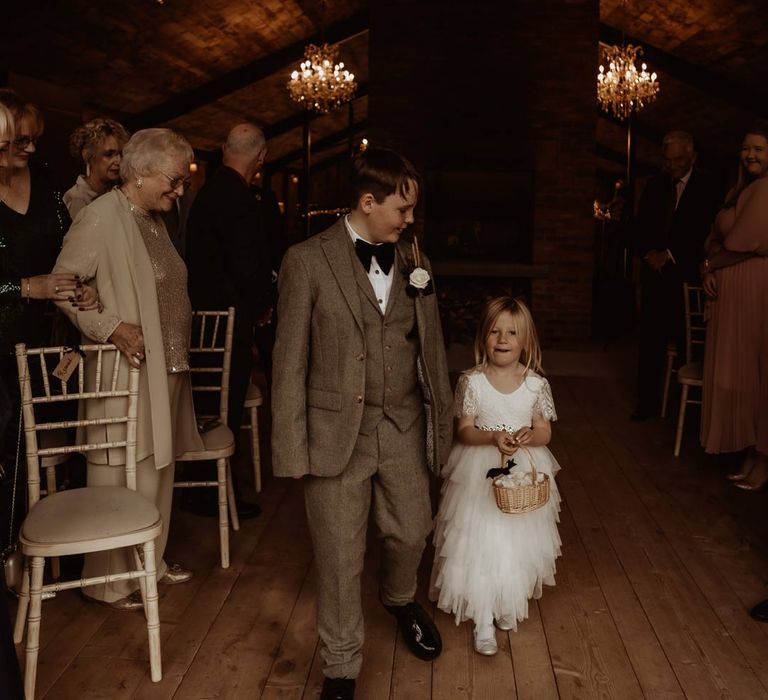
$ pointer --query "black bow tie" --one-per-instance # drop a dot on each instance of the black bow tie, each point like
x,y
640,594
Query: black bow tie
x,y
384,253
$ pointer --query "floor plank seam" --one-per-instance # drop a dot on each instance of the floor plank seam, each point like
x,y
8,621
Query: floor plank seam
x,y
611,539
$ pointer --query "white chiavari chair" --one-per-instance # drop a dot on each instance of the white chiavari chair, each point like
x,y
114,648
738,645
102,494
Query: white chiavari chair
x,y
692,372
210,359
89,519
253,399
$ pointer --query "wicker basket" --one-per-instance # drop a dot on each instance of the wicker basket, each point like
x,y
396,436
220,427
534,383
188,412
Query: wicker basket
x,y
522,499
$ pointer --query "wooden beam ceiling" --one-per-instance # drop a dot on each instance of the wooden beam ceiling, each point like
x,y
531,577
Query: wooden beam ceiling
x,y
245,75
696,76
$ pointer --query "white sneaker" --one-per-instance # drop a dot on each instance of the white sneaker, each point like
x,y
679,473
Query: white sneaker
x,y
506,623
484,644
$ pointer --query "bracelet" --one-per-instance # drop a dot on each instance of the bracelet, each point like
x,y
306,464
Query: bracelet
x,y
27,295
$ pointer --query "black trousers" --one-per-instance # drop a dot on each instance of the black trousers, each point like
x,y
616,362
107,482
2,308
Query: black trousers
x,y
239,378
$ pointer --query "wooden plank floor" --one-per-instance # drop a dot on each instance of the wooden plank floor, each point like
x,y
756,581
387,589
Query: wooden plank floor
x,y
661,560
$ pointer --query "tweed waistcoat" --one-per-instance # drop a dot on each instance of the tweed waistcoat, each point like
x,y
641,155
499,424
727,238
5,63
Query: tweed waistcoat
x,y
392,347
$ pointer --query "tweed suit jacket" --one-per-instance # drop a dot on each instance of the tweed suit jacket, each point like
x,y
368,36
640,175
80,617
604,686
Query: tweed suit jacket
x,y
319,359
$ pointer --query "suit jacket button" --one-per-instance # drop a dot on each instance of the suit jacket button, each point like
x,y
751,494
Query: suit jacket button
x,y
359,399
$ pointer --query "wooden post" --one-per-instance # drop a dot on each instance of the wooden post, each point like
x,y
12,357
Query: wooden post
x,y
304,183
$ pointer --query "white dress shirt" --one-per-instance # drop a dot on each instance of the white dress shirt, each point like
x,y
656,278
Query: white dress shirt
x,y
381,283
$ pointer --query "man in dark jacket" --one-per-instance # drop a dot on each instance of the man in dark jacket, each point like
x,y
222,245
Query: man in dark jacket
x,y
228,253
675,214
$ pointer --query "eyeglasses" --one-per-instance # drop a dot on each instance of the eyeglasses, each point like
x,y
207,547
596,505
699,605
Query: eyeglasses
x,y
24,141
176,182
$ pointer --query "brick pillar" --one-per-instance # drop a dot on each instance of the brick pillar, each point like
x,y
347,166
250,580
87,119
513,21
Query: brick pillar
x,y
458,85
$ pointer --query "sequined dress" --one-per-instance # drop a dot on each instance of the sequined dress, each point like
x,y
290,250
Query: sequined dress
x,y
29,244
488,564
172,297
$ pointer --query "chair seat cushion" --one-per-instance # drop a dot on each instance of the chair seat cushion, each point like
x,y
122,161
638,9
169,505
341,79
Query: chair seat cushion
x,y
91,514
218,442
690,373
253,396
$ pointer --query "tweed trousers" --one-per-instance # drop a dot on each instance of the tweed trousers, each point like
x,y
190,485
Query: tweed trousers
x,y
387,472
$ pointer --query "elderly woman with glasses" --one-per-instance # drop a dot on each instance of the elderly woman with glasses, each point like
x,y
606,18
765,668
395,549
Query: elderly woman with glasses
x,y
99,144
119,244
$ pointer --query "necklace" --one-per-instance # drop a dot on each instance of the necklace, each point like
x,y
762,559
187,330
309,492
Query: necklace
x,y
138,211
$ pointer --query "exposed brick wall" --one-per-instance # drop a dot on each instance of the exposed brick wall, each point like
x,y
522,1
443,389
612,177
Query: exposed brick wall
x,y
509,84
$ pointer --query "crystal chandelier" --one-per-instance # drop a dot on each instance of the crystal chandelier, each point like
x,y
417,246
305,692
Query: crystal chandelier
x,y
623,88
321,84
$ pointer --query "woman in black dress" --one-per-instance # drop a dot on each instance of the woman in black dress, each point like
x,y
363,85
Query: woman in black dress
x,y
32,225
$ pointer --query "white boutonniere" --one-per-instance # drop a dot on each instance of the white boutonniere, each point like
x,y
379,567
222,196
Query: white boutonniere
x,y
419,278
419,281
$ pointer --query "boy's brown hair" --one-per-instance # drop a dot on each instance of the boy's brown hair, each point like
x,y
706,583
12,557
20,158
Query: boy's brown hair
x,y
382,172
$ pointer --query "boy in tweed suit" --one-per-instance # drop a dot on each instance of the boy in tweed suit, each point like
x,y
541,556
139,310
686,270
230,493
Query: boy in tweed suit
x,y
362,407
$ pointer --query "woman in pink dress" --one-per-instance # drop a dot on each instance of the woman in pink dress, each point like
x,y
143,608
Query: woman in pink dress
x,y
735,395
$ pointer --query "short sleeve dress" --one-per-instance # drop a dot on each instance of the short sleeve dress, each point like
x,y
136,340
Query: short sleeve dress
x,y
488,564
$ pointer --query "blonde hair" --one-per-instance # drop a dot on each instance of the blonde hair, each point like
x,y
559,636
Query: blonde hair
x,y
6,124
21,110
759,128
85,140
530,355
7,134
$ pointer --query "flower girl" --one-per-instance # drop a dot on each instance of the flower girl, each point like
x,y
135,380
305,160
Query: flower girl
x,y
489,563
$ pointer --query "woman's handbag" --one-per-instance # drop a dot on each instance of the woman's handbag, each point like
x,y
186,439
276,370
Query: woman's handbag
x,y
11,557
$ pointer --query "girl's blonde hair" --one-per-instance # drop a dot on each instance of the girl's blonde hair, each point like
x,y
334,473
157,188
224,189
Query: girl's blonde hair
x,y
530,355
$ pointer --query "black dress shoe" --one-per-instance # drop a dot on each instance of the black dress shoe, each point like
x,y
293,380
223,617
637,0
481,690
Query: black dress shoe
x,y
760,611
338,689
419,631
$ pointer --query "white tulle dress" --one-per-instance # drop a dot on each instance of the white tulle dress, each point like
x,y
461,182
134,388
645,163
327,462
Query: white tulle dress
x,y
488,564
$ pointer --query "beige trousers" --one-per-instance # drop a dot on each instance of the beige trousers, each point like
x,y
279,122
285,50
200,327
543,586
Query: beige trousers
x,y
387,470
156,485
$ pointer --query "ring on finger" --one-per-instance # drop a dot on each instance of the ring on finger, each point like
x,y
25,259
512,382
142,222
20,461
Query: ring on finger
x,y
56,289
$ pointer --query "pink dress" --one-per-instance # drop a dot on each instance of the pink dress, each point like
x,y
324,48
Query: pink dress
x,y
735,395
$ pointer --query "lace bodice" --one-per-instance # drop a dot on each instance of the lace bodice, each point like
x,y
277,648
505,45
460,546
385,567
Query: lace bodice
x,y
493,410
